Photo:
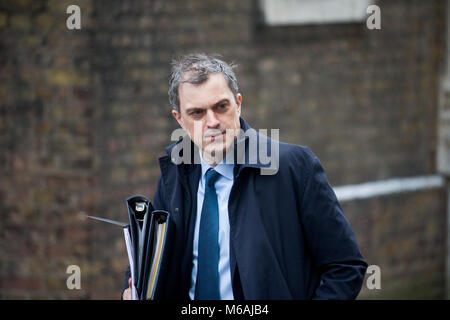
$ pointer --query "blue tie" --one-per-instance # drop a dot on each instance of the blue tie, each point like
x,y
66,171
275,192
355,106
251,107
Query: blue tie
x,y
207,284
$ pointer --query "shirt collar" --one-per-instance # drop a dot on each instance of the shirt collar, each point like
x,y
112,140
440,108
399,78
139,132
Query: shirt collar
x,y
225,169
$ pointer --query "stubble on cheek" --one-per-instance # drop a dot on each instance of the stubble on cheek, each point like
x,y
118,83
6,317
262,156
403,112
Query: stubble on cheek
x,y
198,134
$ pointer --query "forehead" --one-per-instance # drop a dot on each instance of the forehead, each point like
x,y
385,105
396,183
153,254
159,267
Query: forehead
x,y
205,94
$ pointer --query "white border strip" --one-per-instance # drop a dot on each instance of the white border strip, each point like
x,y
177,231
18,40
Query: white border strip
x,y
294,12
386,187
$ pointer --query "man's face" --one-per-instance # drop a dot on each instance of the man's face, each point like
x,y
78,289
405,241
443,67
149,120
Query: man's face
x,y
209,112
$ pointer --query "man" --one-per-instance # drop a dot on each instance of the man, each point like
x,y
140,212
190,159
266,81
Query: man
x,y
237,233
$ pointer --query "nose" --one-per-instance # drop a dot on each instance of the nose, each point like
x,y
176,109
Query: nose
x,y
211,119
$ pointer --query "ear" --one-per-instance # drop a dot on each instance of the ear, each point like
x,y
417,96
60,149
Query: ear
x,y
177,115
239,102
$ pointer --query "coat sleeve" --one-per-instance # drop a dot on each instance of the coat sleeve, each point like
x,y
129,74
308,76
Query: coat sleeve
x,y
158,203
329,237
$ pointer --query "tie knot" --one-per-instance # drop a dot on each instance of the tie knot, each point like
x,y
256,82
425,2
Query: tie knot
x,y
211,177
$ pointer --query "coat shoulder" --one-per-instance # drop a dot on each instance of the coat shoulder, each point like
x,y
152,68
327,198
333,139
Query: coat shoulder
x,y
297,157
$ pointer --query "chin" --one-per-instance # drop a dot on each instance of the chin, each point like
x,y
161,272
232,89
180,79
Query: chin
x,y
214,150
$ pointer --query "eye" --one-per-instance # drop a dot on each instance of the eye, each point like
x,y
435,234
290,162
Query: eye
x,y
196,113
222,106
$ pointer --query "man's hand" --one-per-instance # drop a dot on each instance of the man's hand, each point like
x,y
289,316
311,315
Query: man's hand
x,y
127,292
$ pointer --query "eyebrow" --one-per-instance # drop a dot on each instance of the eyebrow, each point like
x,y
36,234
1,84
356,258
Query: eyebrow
x,y
220,102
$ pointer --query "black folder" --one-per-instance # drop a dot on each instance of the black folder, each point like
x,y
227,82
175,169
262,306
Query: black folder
x,y
148,233
145,239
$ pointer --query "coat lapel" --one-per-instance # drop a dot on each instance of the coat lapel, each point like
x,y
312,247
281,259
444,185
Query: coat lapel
x,y
181,184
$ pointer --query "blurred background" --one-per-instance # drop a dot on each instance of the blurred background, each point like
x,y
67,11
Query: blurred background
x,y
84,116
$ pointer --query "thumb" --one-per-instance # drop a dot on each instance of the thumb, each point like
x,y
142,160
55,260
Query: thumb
x,y
129,283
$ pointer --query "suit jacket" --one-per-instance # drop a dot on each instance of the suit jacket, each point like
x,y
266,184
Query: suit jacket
x,y
289,238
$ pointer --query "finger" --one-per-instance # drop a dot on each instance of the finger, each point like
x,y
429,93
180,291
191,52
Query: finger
x,y
127,295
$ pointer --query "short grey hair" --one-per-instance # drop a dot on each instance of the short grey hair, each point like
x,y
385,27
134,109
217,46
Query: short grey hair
x,y
196,68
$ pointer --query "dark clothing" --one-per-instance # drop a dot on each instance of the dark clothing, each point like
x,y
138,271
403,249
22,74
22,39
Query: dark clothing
x,y
289,238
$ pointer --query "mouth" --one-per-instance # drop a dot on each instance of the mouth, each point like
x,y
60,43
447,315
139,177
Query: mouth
x,y
212,138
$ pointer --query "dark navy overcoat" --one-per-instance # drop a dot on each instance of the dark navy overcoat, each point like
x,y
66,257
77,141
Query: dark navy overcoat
x,y
289,238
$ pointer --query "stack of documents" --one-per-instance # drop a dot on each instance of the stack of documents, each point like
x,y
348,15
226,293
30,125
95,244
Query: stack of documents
x,y
145,238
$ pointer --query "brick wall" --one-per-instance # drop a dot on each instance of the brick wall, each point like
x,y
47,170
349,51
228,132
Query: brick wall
x,y
46,143
405,235
84,115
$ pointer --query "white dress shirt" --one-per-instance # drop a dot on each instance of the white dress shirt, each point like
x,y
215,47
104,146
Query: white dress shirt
x,y
223,187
